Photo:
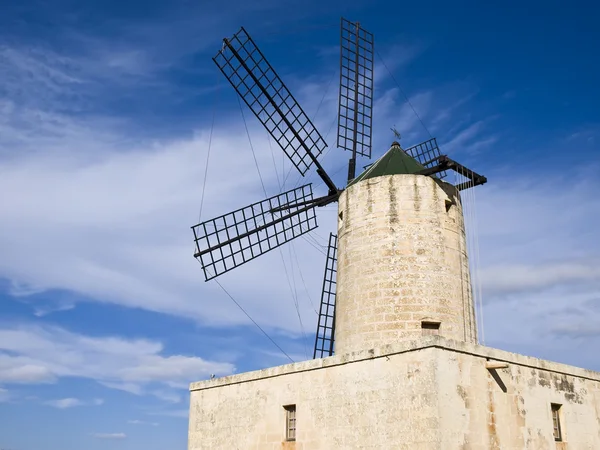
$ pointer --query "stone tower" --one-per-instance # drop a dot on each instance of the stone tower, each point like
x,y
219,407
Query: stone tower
x,y
402,261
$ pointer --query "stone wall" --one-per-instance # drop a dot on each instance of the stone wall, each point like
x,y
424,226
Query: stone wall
x,y
430,393
509,408
349,405
402,260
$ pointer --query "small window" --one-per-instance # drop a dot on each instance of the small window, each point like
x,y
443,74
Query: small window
x,y
290,422
428,328
556,421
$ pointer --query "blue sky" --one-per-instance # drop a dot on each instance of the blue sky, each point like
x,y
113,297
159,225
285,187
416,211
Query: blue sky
x,y
105,115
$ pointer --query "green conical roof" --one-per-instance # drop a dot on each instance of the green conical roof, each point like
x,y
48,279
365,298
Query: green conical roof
x,y
394,162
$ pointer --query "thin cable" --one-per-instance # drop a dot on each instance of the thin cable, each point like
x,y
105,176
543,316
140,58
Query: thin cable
x,y
210,136
274,163
253,321
328,131
324,95
467,313
473,241
473,309
316,246
252,147
304,282
478,265
314,235
294,292
403,93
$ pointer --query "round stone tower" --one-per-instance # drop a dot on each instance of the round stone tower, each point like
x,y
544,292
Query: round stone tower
x,y
402,269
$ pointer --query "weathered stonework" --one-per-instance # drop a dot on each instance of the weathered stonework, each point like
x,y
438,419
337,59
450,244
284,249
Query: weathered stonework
x,y
402,259
430,393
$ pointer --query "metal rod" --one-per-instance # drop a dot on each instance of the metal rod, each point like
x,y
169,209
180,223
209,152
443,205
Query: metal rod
x,y
468,184
330,184
445,163
319,200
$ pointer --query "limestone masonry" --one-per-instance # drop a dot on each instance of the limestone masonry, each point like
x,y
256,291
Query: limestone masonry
x,y
429,393
402,260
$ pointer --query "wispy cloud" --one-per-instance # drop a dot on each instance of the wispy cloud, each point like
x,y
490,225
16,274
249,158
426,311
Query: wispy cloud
x,y
393,59
142,422
109,435
65,403
71,402
586,135
147,193
525,278
579,329
445,114
539,267
463,138
33,354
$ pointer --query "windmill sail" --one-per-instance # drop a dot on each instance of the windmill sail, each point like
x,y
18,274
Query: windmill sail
x,y
427,153
255,80
326,326
230,240
355,109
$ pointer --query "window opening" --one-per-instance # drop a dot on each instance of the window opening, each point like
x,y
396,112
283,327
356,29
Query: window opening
x,y
556,421
290,422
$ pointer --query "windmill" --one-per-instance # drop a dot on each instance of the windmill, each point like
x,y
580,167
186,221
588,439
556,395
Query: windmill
x,y
235,238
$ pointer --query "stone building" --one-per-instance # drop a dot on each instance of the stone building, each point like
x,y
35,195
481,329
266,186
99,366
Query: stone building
x,y
408,372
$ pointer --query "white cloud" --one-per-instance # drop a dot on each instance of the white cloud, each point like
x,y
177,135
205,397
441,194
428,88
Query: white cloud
x,y
525,278
41,311
71,402
141,422
132,365
167,396
17,369
65,403
116,214
132,388
538,262
109,435
463,138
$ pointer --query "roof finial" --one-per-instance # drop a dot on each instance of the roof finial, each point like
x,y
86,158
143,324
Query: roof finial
x,y
396,134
